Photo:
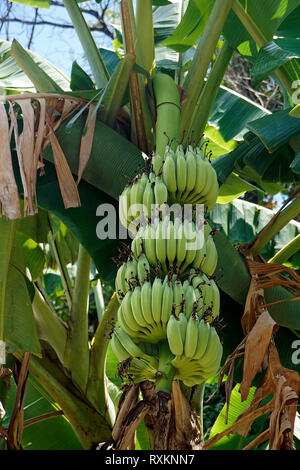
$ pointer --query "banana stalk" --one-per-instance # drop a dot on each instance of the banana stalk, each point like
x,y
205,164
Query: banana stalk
x,y
165,368
145,34
77,348
195,78
167,112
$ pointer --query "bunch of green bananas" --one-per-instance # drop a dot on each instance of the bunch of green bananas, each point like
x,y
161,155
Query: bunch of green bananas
x,y
189,176
168,296
176,244
140,198
197,349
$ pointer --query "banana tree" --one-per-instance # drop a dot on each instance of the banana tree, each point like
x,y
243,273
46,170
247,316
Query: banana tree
x,y
87,138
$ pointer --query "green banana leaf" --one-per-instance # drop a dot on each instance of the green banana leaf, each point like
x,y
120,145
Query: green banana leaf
x,y
266,14
13,78
52,434
17,326
236,407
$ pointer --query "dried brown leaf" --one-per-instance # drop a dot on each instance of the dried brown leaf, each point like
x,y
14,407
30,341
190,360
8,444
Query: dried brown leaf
x,y
256,346
9,196
86,142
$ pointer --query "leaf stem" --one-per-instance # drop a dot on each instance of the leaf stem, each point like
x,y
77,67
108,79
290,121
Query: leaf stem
x,y
77,350
164,383
277,224
96,389
194,80
258,36
287,251
209,93
145,34
91,51
50,327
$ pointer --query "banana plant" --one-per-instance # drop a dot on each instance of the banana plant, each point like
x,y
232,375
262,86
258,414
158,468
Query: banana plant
x,y
92,135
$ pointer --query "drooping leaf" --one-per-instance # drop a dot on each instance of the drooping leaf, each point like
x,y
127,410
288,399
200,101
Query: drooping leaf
x,y
273,55
54,433
191,26
267,16
12,76
233,188
80,80
17,326
35,3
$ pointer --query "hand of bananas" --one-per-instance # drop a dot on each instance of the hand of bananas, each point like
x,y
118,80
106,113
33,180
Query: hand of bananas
x,y
177,177
168,297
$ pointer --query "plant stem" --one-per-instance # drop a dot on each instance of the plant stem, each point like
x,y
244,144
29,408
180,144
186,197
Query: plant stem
x,y
287,251
77,351
195,78
97,390
50,327
164,383
179,72
99,300
91,51
209,93
167,102
66,281
42,82
89,426
258,36
197,403
113,95
140,115
289,213
145,34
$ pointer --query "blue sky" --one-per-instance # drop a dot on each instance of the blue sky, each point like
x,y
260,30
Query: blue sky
x,y
59,46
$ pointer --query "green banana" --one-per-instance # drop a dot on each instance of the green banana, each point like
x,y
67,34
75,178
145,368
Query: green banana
x,y
191,338
150,245
191,171
129,316
174,336
131,273
161,246
211,259
136,307
169,174
157,299
148,200
171,243
167,303
146,298
178,297
157,164
120,283
203,337
143,268
160,191
133,349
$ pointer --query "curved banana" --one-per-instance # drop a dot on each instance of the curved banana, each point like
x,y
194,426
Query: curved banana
x,y
174,336
143,268
160,192
178,297
131,273
129,316
157,299
150,245
203,337
191,338
133,349
136,306
146,298
169,174
120,283
148,200
171,243
167,303
211,259
157,164
161,246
